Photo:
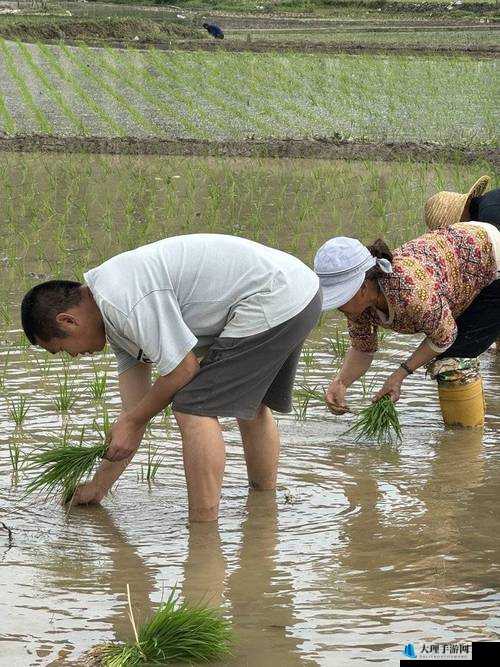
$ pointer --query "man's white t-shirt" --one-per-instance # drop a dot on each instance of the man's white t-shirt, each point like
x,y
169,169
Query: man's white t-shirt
x,y
161,300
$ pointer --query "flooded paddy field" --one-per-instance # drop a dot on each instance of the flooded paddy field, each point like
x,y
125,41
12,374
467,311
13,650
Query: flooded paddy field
x,y
363,549
459,39
67,91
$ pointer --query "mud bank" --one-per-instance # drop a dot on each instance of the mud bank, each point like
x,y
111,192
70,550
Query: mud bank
x,y
321,148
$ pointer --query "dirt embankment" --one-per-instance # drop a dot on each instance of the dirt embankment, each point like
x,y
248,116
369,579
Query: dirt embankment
x,y
104,29
264,46
319,148
165,42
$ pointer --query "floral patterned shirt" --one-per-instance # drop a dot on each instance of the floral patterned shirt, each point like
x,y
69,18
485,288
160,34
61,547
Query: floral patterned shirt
x,y
435,278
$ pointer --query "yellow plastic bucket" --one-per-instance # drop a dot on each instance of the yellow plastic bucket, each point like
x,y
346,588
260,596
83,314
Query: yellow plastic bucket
x,y
462,405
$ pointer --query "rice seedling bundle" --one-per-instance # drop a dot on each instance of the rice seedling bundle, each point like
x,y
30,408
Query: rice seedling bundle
x,y
379,422
63,468
174,633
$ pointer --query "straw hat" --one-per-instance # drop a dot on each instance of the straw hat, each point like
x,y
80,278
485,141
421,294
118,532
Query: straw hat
x,y
446,208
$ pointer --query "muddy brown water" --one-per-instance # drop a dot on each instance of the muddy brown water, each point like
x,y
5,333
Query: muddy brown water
x,y
362,549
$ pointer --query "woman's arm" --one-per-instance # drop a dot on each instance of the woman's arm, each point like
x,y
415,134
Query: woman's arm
x,y
392,386
355,364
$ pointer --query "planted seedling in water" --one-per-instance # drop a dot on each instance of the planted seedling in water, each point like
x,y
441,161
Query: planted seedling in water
x,y
15,456
66,395
338,344
379,422
98,385
18,410
174,633
303,396
308,357
153,463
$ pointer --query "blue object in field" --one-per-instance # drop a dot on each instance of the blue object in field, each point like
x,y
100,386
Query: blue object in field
x,y
214,30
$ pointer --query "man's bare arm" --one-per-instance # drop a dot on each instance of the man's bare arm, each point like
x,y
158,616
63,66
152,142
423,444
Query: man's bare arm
x,y
128,430
134,383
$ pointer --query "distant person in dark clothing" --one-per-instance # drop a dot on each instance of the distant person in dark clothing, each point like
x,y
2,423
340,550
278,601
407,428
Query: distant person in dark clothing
x,y
214,30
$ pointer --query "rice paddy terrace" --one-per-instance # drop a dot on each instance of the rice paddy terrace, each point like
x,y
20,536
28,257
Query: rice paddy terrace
x,y
65,91
365,546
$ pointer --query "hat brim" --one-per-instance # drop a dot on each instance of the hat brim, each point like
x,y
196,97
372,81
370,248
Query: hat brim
x,y
479,188
446,208
336,296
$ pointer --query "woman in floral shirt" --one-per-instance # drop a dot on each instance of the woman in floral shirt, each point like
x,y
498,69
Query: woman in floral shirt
x,y
423,287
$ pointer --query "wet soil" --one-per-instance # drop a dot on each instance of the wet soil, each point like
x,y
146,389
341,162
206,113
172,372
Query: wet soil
x,y
321,147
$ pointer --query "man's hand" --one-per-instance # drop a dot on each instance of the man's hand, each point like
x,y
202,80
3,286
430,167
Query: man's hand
x,y
335,398
392,386
124,438
88,494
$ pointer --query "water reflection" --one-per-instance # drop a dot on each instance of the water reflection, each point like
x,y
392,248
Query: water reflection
x,y
260,590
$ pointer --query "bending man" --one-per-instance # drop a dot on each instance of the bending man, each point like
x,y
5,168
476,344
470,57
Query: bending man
x,y
252,305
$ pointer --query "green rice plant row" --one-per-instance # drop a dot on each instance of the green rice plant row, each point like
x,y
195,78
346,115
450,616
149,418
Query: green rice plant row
x,y
44,124
215,113
87,70
51,89
178,108
84,95
216,81
7,123
96,58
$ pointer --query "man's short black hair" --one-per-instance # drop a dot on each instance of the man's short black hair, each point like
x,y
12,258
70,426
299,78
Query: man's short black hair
x,y
43,303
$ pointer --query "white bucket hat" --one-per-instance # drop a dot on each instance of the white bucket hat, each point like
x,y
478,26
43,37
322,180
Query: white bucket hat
x,y
341,264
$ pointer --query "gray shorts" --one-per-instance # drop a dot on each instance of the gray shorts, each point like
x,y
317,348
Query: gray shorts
x,y
237,375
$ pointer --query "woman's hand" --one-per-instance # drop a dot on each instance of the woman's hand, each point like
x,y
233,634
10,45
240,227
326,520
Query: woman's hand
x,y
88,493
392,386
124,438
335,398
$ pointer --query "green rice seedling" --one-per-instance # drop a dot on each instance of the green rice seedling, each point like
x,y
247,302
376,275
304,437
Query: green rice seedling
x,y
6,120
43,362
98,385
23,342
176,632
66,394
303,396
14,456
62,468
5,315
19,409
104,427
3,371
368,384
308,357
148,471
338,343
379,422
